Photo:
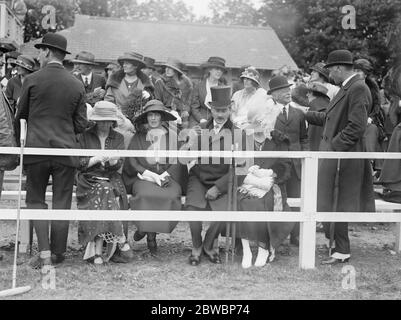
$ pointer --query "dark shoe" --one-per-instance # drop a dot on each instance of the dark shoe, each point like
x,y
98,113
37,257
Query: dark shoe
x,y
138,236
152,246
194,260
334,261
57,258
120,257
38,263
214,258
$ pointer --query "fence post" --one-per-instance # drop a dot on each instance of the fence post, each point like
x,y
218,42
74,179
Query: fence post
x,y
24,236
397,237
307,244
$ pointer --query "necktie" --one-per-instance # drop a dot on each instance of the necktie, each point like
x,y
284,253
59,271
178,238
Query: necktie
x,y
216,129
285,113
86,82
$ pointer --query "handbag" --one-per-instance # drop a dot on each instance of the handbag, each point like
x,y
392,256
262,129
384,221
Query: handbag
x,y
8,162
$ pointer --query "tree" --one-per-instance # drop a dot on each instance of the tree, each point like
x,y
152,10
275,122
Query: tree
x,y
231,12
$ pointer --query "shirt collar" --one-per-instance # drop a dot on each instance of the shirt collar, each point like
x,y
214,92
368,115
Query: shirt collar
x,y
56,62
89,76
348,79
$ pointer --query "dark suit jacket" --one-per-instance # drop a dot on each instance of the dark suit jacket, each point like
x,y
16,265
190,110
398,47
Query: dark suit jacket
x,y
315,132
198,108
53,103
97,82
295,129
13,91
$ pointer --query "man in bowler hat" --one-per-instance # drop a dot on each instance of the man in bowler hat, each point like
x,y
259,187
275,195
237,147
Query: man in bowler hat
x,y
53,103
344,122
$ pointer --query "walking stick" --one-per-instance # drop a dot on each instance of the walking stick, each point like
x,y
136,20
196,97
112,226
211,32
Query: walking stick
x,y
229,208
14,290
234,206
335,203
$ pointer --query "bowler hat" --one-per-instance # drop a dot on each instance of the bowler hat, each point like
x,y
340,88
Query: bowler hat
x,y
150,63
53,41
215,62
104,111
364,65
85,57
339,57
320,68
174,64
154,106
252,74
25,62
221,96
278,82
132,57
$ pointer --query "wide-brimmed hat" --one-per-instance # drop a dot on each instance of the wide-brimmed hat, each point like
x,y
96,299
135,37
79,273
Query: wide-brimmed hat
x,y
149,62
154,106
221,96
215,62
132,57
53,41
339,57
25,62
104,111
320,68
174,64
85,57
364,65
252,74
278,82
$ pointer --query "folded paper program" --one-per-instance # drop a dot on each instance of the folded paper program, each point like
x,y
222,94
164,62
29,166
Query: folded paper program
x,y
258,182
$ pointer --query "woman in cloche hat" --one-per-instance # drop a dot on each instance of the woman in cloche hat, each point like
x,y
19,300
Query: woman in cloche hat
x,y
152,181
214,69
98,183
24,65
252,96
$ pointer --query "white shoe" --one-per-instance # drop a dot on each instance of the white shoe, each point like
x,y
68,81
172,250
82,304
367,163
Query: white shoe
x,y
247,261
261,260
272,254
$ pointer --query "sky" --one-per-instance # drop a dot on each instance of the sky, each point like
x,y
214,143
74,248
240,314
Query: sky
x,y
201,6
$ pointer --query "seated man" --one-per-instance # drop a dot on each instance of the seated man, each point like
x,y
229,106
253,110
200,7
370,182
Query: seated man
x,y
208,181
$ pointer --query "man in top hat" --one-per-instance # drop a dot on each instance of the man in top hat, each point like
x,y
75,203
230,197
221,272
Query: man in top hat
x,y
53,103
321,74
94,83
208,183
344,121
291,122
24,65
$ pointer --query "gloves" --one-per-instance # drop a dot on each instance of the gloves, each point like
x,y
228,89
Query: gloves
x,y
151,176
96,159
165,179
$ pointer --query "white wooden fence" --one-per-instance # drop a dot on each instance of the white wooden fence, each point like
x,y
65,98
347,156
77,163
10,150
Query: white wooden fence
x,y
308,216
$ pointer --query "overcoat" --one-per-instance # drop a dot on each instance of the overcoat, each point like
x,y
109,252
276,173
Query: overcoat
x,y
53,102
345,122
97,82
13,91
315,132
198,108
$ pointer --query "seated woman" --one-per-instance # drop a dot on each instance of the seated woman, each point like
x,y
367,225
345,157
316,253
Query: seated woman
x,y
264,190
153,182
100,187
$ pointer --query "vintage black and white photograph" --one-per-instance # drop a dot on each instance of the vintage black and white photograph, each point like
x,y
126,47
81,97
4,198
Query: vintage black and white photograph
x,y
215,152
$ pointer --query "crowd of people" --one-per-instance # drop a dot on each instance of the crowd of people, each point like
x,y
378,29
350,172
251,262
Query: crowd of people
x,y
133,106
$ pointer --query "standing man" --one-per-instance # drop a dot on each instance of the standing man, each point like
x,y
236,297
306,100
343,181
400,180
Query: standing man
x,y
53,103
344,122
94,83
291,122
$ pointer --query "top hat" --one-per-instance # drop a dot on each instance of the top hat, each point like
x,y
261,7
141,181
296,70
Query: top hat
x,y
53,41
104,111
364,65
278,82
215,62
252,74
132,57
154,106
150,63
85,57
320,68
339,57
25,62
174,64
221,96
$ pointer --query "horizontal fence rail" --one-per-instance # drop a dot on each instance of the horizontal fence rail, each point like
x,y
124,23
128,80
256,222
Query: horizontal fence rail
x,y
308,215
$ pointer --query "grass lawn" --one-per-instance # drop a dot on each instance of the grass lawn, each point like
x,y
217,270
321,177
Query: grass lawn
x,y
169,276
